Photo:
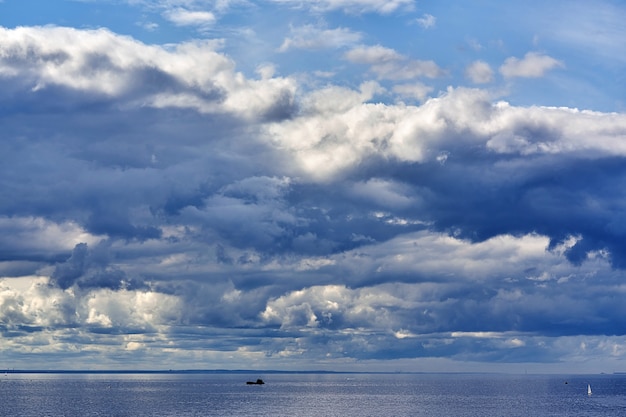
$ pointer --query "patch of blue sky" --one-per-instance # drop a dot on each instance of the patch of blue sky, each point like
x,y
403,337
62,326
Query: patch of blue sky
x,y
116,17
453,35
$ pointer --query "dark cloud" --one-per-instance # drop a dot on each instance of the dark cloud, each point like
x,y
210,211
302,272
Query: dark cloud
x,y
550,196
92,268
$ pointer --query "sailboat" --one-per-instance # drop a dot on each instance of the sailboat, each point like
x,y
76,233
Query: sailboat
x,y
588,389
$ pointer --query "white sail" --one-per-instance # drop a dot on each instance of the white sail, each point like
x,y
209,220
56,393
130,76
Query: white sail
x,y
588,389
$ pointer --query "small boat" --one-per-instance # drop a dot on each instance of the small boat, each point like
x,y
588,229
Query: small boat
x,y
588,389
257,382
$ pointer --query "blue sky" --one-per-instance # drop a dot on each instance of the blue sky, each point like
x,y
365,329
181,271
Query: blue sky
x,y
329,184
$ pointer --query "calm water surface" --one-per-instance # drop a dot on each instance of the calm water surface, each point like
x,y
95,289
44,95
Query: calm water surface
x,y
317,395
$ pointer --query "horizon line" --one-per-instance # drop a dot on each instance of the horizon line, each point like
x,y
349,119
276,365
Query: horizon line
x,y
257,371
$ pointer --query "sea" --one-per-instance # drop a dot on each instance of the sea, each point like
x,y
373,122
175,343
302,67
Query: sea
x,y
310,394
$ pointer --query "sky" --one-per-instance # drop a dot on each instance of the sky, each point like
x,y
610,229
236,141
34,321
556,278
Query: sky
x,y
356,185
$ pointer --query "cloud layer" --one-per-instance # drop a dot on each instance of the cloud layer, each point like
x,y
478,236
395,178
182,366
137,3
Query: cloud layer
x,y
160,203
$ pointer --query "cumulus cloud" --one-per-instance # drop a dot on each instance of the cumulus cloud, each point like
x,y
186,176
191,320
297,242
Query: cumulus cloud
x,y
409,133
92,268
533,65
332,306
479,72
154,197
471,319
448,125
38,305
193,75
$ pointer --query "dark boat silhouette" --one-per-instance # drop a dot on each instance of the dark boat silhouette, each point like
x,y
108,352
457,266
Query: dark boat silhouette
x,y
257,382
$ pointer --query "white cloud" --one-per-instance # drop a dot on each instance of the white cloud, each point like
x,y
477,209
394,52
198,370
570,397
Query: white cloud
x,y
129,310
384,193
427,21
337,130
416,91
183,17
323,306
40,304
479,72
352,6
388,64
149,26
372,55
480,335
533,65
437,255
74,64
312,37
571,131
188,75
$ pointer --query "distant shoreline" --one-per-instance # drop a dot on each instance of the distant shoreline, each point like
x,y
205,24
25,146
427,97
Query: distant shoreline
x,y
253,371
189,371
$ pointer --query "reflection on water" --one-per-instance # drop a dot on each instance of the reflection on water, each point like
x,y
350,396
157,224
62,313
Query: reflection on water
x,y
311,395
